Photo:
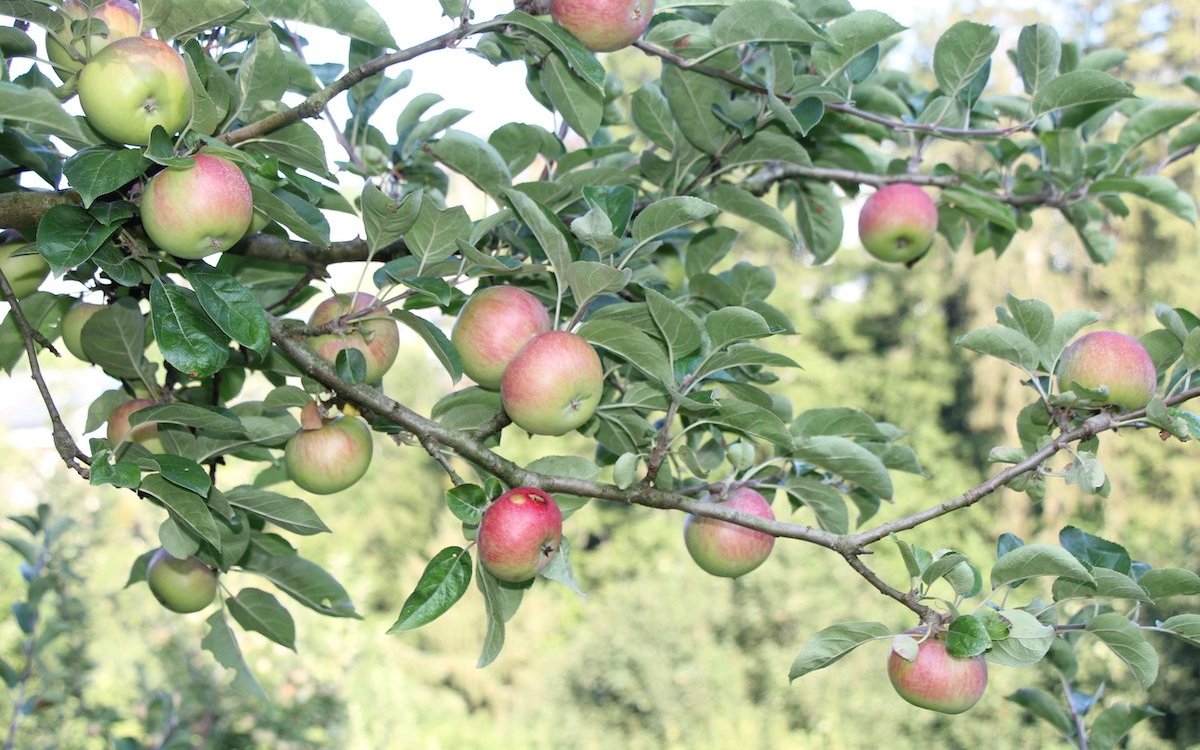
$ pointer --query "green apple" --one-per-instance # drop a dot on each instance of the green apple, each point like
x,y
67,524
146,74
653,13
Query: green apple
x,y
936,680
195,211
493,326
108,22
1112,360
120,431
183,586
71,326
898,222
553,385
132,85
328,456
603,25
519,534
376,335
24,268
726,549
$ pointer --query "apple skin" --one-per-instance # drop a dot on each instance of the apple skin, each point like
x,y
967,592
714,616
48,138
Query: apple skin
x,y
325,457
25,273
936,680
897,223
71,326
119,430
181,585
725,549
493,326
192,212
519,534
121,17
1112,359
377,336
132,85
603,25
553,385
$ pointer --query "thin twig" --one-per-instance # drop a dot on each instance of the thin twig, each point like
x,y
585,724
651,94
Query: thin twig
x,y
1081,741
434,450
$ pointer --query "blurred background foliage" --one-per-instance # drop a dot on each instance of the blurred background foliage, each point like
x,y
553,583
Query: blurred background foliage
x,y
659,655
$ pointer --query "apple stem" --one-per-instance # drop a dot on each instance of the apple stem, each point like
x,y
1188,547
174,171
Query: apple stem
x,y
310,417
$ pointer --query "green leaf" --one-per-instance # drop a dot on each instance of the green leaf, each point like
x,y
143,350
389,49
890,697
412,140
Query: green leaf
x,y
559,568
1108,584
669,213
303,580
501,602
942,566
222,644
837,421
832,643
733,323
115,339
435,234
1154,188
678,326
761,21
187,508
581,60
1163,583
1115,722
212,420
1027,641
1094,551
691,97
119,474
475,159
255,609
443,583
851,36
741,203
1033,318
466,502
183,472
233,307
289,513
1004,343
437,342
386,220
966,637
1126,641
826,503
1039,50
1065,328
99,170
279,210
1185,626
749,419
819,217
743,355
631,345
1044,706
67,236
580,104
188,338
847,459
980,206
652,116
547,233
297,144
1033,560
587,279
1152,120
353,18
39,107
262,73
960,53
1079,87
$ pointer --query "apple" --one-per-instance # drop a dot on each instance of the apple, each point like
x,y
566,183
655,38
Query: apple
x,y
183,586
603,25
725,549
25,272
897,223
110,21
553,385
119,430
376,335
132,85
327,456
519,534
493,326
199,210
71,326
1113,360
936,680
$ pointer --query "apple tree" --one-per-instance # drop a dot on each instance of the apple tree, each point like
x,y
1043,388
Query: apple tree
x,y
187,210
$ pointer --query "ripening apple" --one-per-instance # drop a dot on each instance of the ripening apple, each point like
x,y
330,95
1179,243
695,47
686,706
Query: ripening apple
x,y
603,25
71,326
183,586
328,456
376,335
199,210
1113,360
25,272
493,326
553,385
119,430
132,85
519,534
726,549
936,680
897,223
110,21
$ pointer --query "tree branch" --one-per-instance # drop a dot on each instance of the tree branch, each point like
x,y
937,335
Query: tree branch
x,y
927,614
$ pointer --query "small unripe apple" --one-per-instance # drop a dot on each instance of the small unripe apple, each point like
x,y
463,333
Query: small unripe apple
x,y
1112,360
25,273
132,85
72,323
181,585
199,210
327,456
603,25
376,335
110,21
519,533
936,680
897,223
553,385
495,324
725,549
120,431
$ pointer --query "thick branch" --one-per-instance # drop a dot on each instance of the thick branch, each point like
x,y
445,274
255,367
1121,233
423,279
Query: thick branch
x,y
23,210
63,442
